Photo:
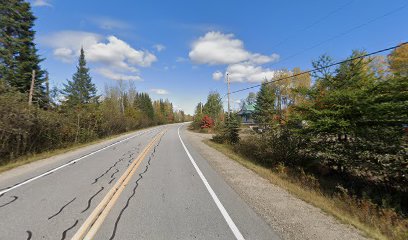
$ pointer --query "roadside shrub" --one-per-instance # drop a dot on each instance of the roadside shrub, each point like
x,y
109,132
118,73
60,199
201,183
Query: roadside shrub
x,y
196,123
228,132
274,146
207,122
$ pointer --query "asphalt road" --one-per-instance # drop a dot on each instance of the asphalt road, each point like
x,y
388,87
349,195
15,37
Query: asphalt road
x,y
171,193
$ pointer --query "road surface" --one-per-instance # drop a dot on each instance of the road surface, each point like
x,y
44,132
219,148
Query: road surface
x,y
150,184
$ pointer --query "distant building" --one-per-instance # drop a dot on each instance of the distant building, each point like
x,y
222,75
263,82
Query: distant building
x,y
246,113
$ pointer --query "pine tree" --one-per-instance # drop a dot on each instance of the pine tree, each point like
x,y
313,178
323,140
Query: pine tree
x,y
232,128
228,130
265,104
18,53
339,101
144,103
80,90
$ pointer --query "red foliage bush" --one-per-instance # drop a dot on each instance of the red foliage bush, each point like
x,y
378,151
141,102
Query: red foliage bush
x,y
207,122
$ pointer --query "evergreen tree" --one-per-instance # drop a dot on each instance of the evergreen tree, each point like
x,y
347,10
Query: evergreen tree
x,y
265,104
354,117
339,101
213,106
232,128
80,90
144,103
228,131
18,54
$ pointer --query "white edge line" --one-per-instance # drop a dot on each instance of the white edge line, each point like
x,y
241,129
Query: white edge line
x,y
71,162
224,212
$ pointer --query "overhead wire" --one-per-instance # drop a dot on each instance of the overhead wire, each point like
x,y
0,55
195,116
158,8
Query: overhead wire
x,y
350,30
313,24
320,68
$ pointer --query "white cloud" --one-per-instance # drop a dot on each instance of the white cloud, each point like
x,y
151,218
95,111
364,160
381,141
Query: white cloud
x,y
216,48
159,91
119,54
42,3
159,47
262,59
217,75
64,54
71,39
117,76
115,54
247,72
109,23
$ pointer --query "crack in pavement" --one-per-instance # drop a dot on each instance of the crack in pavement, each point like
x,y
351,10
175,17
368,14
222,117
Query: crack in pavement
x,y
103,174
127,203
73,161
133,191
111,180
62,208
5,204
30,234
120,160
113,174
64,234
90,200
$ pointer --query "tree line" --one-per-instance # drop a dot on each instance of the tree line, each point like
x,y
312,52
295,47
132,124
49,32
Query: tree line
x,y
352,119
61,117
346,125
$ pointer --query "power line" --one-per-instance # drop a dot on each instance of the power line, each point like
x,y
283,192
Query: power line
x,y
320,68
313,24
344,33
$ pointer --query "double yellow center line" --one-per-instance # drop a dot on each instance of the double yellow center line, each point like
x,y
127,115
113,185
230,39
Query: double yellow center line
x,y
95,220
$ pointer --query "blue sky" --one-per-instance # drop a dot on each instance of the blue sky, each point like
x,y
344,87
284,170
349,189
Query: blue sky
x,y
180,50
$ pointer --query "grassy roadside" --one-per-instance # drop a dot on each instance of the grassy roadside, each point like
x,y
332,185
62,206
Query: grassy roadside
x,y
344,209
43,155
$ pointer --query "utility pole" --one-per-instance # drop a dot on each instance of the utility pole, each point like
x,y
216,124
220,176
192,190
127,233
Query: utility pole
x,y
30,96
228,83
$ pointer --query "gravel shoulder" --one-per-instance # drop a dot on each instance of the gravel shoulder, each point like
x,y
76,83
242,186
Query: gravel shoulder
x,y
289,216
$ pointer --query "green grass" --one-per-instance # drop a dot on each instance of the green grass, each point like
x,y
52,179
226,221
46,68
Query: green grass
x,y
362,214
47,154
